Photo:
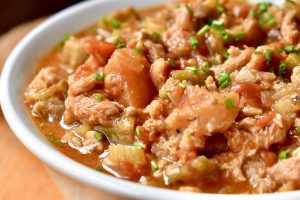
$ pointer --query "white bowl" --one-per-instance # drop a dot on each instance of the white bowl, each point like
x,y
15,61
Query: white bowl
x,y
16,75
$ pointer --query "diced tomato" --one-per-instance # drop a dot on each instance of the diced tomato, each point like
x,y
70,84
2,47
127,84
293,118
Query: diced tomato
x,y
100,50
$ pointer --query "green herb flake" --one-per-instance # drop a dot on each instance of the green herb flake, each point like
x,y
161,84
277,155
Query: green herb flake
x,y
99,76
138,131
268,56
116,24
138,145
278,50
229,104
263,7
298,130
282,68
205,67
226,55
193,69
268,20
224,80
188,9
194,42
203,30
225,36
98,136
182,85
138,51
163,94
155,36
240,36
177,5
120,44
218,25
284,154
290,49
171,62
154,165
98,167
220,9
42,125
257,52
99,97
51,138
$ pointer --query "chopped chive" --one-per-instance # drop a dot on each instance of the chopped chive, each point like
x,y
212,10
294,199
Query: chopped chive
x,y
42,125
138,131
278,50
194,42
224,80
99,97
154,165
257,52
138,51
226,55
193,69
99,76
163,94
116,24
120,44
216,62
268,56
240,36
66,37
177,5
155,36
229,104
269,20
220,9
138,145
51,138
298,130
282,68
218,25
290,49
263,7
98,136
284,154
188,9
225,36
203,30
171,62
182,85
98,167
204,67
253,13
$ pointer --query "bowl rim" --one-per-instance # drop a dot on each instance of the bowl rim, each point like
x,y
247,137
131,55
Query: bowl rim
x,y
73,169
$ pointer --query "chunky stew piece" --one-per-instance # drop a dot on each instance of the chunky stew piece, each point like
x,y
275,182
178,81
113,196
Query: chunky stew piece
x,y
194,95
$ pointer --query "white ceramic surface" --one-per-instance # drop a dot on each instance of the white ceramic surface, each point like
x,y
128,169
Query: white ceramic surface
x,y
16,75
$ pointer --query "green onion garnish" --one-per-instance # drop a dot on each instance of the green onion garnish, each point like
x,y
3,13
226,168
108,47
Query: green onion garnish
x,y
229,104
218,25
203,30
188,9
284,154
138,131
298,130
290,49
194,42
257,52
154,165
224,80
98,136
42,125
138,51
281,69
225,36
193,69
99,97
155,36
263,7
138,145
220,9
240,36
182,85
116,24
119,44
171,62
226,54
268,56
